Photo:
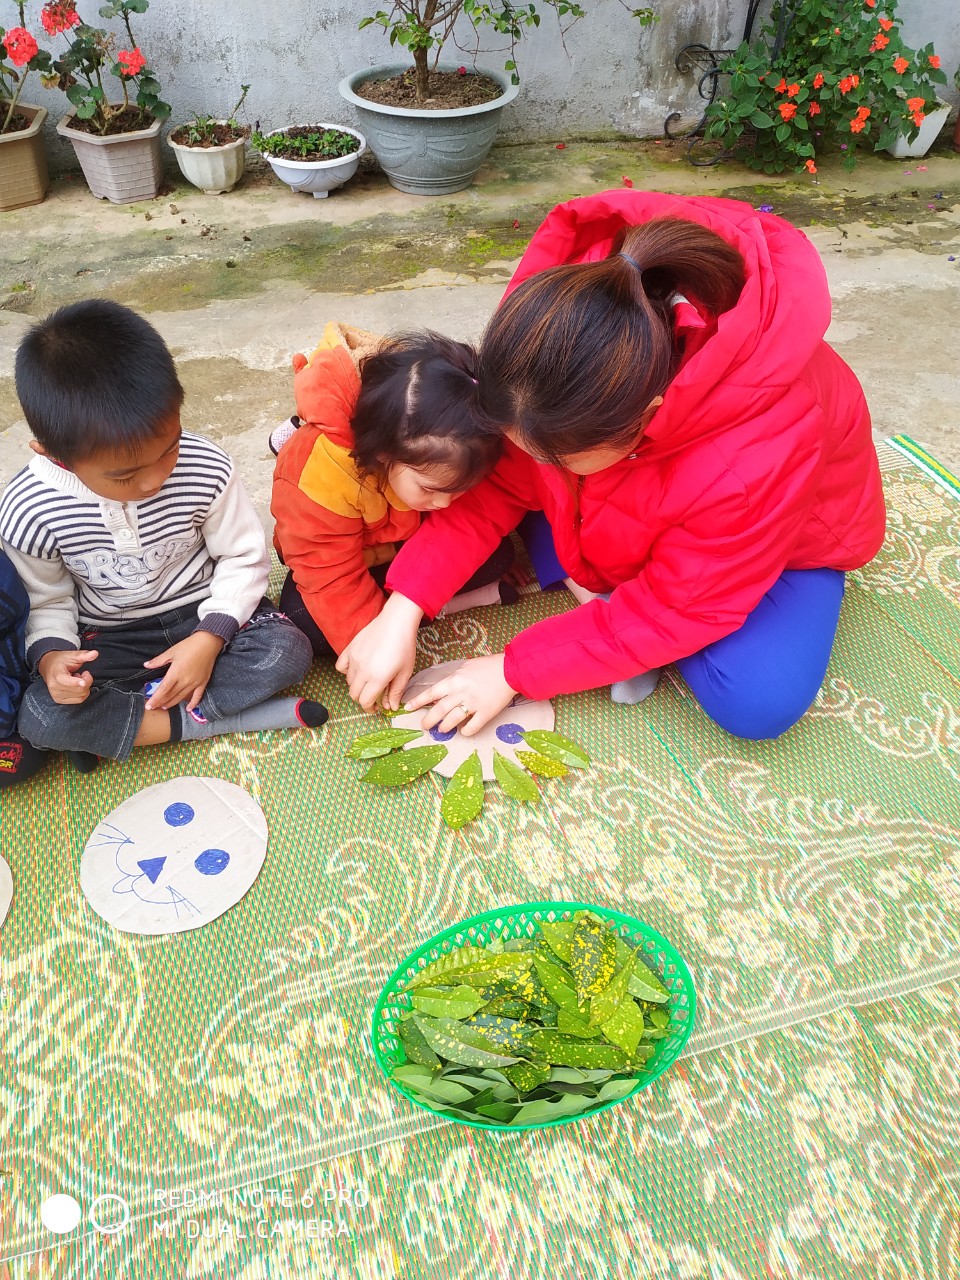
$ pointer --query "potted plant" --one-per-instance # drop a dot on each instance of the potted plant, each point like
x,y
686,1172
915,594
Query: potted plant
x,y
211,152
23,159
117,143
315,158
842,78
431,124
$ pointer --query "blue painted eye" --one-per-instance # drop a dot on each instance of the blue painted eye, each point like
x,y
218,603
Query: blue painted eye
x,y
442,737
212,861
178,815
512,733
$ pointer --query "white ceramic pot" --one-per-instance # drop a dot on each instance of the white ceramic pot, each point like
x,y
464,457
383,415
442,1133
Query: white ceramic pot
x,y
423,152
214,170
934,121
317,177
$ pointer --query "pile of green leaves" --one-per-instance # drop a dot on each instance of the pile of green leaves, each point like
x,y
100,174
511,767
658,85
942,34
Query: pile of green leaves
x,y
306,142
526,1030
551,755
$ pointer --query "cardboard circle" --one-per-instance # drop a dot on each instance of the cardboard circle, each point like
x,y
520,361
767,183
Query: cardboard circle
x,y
522,712
6,890
174,856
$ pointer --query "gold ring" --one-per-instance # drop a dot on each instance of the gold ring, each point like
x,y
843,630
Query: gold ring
x,y
464,708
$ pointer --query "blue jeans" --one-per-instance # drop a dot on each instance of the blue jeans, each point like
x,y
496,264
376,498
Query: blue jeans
x,y
758,681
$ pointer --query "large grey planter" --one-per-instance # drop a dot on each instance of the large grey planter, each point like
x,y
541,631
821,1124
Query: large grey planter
x,y
427,153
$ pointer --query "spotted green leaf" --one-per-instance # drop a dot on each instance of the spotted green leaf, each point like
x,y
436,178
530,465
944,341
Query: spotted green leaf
x,y
558,935
502,1033
559,986
474,966
570,1024
564,1051
593,955
525,1076
556,747
459,1002
606,1002
542,765
514,780
463,797
452,1041
659,1018
381,743
625,1027
415,1047
644,983
398,769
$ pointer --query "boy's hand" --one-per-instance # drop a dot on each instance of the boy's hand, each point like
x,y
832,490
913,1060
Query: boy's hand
x,y
60,672
380,659
190,663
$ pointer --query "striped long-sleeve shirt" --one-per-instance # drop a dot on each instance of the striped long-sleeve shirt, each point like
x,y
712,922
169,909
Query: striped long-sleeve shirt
x,y
89,561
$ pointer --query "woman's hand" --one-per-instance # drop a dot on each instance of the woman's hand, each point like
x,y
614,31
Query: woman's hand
x,y
378,662
468,699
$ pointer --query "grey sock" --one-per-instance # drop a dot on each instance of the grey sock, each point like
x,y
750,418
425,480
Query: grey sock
x,y
275,713
636,689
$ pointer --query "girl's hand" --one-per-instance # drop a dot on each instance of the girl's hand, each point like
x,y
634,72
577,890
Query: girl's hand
x,y
468,699
378,662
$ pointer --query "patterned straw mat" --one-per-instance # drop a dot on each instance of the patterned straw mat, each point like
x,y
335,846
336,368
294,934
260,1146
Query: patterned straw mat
x,y
218,1086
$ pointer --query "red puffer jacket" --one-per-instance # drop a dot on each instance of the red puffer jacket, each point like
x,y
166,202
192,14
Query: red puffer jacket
x,y
760,459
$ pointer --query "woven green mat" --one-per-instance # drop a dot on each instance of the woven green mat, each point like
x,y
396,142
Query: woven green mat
x,y
812,1128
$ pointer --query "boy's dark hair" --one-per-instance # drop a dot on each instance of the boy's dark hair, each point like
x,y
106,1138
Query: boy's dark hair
x,y
95,376
572,357
418,405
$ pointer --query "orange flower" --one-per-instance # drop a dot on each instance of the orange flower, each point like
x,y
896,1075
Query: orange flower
x,y
818,80
871,4
846,84
886,23
810,167
787,110
918,118
934,61
880,41
781,87
862,113
900,65
916,104
813,109
856,125
854,80
792,90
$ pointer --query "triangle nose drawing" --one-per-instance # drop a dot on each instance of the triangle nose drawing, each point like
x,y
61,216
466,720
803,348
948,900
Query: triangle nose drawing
x,y
151,868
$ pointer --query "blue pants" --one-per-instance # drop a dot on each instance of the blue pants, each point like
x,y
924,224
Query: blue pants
x,y
758,681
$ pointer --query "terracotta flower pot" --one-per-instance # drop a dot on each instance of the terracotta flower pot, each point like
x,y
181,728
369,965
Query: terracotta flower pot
x,y
119,167
23,160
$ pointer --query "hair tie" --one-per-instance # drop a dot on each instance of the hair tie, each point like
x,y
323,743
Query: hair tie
x,y
633,262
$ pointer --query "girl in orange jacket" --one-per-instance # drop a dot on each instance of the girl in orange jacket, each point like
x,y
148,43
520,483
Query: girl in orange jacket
x,y
389,430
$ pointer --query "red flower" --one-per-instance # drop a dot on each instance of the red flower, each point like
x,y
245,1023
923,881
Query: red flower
x,y
131,62
918,118
934,61
818,80
627,182
20,46
916,104
59,15
900,65
810,167
871,4
516,223
856,125
813,109
561,146
880,41
781,87
792,90
862,113
886,23
461,71
787,110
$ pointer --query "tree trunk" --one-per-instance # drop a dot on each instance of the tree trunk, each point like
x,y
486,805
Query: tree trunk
x,y
421,71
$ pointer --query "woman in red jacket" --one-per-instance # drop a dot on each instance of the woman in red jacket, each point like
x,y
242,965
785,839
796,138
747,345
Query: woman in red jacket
x,y
704,460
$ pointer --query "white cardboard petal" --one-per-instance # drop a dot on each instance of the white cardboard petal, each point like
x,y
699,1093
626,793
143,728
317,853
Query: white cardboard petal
x,y
174,856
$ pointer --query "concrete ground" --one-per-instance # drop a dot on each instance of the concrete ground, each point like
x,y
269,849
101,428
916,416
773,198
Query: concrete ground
x,y
238,283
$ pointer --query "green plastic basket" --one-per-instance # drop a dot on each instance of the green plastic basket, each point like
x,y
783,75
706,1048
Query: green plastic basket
x,y
524,921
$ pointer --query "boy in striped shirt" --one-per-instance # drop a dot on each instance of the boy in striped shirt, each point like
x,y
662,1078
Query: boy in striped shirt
x,y
144,559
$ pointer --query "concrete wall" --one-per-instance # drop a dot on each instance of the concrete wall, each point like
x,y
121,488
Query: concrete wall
x,y
608,75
